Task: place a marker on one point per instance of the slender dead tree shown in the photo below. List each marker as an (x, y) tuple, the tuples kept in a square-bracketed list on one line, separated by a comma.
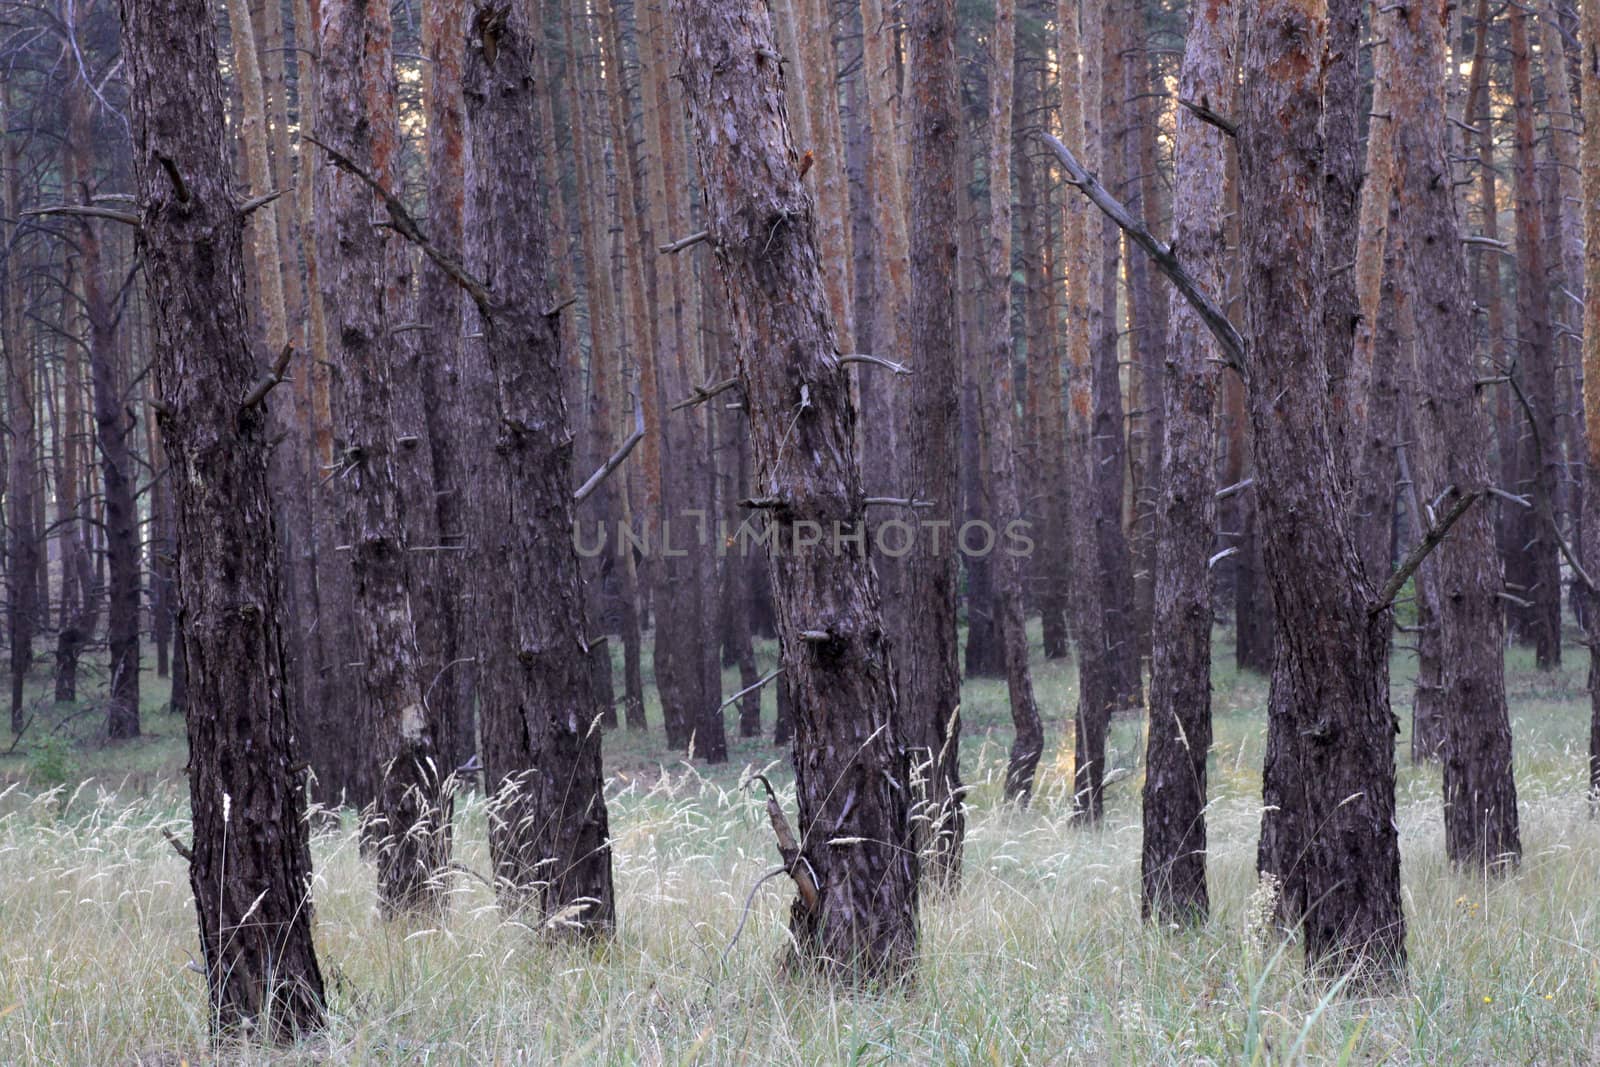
[(250, 866), (853, 863), (1174, 858)]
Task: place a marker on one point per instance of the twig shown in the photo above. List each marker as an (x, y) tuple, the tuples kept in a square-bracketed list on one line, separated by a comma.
[(876, 361), (750, 689), (705, 392), (616, 458), (1429, 542), (745, 914), (401, 221), (178, 846), (256, 203), (128, 218), (896, 502), (1232, 490), (1210, 313), (268, 381), (1210, 117), (684, 242)]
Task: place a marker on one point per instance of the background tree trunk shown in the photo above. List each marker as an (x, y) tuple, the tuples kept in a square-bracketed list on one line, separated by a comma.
[(1173, 878)]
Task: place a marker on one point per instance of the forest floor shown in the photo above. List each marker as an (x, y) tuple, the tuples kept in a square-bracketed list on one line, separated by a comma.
[(1039, 958)]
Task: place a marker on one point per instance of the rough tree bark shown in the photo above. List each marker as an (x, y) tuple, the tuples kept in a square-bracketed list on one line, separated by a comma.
[(440, 309), (250, 867), (355, 48), (548, 832), (856, 916), (1328, 836), (1480, 796), (1174, 860), (930, 666)]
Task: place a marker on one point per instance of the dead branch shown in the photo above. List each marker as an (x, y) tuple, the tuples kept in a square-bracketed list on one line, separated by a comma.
[(1210, 313), (876, 361), (896, 502), (178, 846), (747, 690), (1209, 117), (269, 380), (616, 459), (256, 203), (401, 222), (705, 392), (1237, 487), (1430, 541), (684, 242), (798, 866), (127, 218)]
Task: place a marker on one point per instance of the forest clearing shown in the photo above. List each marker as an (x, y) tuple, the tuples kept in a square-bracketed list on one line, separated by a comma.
[(1039, 959)]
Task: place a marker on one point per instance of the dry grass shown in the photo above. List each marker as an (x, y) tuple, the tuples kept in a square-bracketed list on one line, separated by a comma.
[(1039, 959)]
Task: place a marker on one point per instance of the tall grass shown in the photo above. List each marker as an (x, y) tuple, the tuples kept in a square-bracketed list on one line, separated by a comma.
[(1040, 958)]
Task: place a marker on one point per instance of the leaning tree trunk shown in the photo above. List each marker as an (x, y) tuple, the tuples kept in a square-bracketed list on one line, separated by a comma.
[(1174, 861), (1480, 796), (856, 915), (1328, 836), (548, 830), (930, 667), (250, 868)]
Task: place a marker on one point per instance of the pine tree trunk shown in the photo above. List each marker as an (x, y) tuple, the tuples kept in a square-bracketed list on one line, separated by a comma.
[(998, 383), (22, 471), (1538, 570), (930, 667), (548, 830), (1109, 439), (441, 312), (1480, 796), (861, 920), (1328, 835), (1174, 859), (635, 246), (1590, 83), (251, 866), (1096, 682), (366, 306)]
